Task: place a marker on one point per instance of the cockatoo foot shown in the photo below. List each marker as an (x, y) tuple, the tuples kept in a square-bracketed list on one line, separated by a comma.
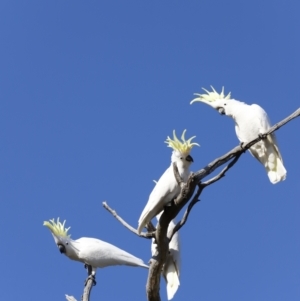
[(92, 277), (262, 136), (242, 146)]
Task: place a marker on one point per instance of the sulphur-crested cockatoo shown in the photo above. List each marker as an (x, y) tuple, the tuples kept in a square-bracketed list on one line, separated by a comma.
[(91, 251), (250, 122), (167, 187), (171, 269)]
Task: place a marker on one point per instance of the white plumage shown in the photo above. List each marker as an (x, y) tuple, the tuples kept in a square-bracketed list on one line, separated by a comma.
[(91, 251), (171, 269), (250, 122), (167, 187)]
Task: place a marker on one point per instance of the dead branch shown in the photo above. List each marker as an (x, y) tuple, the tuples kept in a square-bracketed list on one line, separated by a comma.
[(196, 199), (187, 191), (150, 227), (222, 173), (180, 224), (126, 225), (89, 283)]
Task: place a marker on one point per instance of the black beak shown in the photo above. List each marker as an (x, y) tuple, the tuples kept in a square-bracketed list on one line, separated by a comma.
[(61, 248), (221, 111), (189, 158)]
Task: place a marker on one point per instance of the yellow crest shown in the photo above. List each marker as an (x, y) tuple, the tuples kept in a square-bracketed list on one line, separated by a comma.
[(57, 228), (211, 96), (184, 147)]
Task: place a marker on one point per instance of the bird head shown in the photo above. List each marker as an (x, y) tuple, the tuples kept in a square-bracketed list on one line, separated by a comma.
[(60, 234), (215, 100), (181, 149)]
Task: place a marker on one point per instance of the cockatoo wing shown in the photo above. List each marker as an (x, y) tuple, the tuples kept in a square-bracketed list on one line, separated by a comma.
[(266, 151), (98, 253), (163, 192), (265, 126), (262, 116)]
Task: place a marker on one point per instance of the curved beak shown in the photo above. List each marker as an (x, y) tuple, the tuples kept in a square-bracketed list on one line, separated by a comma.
[(189, 158), (221, 111), (62, 248)]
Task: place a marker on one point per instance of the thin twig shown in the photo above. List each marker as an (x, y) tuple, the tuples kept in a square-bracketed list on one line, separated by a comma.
[(150, 227), (222, 173), (70, 298), (147, 235)]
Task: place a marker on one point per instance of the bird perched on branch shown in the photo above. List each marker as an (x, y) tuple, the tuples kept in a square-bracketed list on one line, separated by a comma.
[(167, 187), (171, 269), (91, 251), (251, 121)]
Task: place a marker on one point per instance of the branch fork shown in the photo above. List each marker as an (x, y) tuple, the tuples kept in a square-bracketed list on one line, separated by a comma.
[(187, 192)]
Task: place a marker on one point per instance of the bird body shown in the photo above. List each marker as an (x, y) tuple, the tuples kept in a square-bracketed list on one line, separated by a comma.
[(167, 187), (250, 122), (171, 269), (90, 251), (100, 254)]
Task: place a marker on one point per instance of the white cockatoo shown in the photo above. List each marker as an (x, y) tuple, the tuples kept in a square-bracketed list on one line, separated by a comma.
[(171, 269), (250, 122), (167, 187), (91, 251)]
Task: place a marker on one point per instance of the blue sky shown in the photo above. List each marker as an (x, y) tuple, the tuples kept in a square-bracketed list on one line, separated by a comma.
[(89, 93)]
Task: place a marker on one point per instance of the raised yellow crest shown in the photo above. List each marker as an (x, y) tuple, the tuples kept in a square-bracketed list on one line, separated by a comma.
[(57, 228), (211, 96), (185, 146)]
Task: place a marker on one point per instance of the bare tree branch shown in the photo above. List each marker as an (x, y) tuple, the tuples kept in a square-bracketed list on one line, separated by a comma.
[(150, 227), (89, 283), (160, 256), (222, 173), (195, 199), (187, 212), (126, 225), (187, 191)]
